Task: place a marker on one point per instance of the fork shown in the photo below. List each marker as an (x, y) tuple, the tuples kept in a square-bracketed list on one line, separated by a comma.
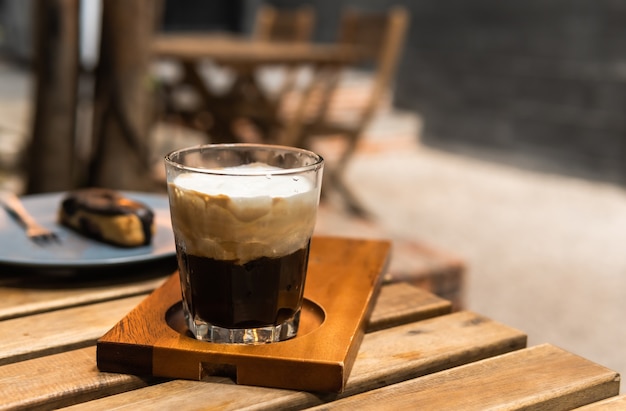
[(34, 231)]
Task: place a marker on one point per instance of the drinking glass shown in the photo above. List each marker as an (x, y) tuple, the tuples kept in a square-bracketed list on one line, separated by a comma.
[(243, 216)]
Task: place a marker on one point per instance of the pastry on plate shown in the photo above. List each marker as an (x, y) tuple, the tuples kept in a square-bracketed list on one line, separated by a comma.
[(107, 215)]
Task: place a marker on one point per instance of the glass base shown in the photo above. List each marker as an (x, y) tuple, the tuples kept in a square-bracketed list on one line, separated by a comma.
[(274, 333)]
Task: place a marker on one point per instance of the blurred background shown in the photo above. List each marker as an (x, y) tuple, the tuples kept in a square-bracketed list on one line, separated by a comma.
[(501, 141)]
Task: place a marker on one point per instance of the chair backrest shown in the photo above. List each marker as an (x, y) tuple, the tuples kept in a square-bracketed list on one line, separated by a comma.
[(379, 37), (291, 25)]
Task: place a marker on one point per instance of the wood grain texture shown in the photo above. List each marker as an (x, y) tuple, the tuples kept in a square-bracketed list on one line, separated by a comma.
[(538, 378), (61, 330), (38, 294), (424, 347), (414, 354), (385, 357), (617, 403), (343, 279), (52, 385), (397, 303), (59, 380)]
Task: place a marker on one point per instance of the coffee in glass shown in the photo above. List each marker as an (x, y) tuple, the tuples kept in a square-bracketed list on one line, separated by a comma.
[(243, 216)]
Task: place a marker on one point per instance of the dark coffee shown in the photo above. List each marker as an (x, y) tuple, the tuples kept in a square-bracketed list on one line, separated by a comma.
[(259, 293)]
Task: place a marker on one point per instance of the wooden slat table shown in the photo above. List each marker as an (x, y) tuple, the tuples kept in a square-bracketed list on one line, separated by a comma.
[(244, 57), (229, 49), (416, 353)]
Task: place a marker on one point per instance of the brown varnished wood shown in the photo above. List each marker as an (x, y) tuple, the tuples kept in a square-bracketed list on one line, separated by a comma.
[(389, 355), (88, 318), (385, 357), (461, 360), (54, 386), (343, 279), (539, 378)]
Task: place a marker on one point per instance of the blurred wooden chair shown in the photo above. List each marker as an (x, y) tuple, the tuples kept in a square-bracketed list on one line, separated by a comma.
[(285, 25), (229, 117), (294, 25), (291, 25), (379, 38)]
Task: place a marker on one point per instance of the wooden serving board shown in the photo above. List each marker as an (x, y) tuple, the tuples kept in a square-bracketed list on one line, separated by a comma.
[(343, 282)]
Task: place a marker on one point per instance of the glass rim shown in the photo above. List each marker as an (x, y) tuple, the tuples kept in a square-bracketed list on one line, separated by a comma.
[(318, 159)]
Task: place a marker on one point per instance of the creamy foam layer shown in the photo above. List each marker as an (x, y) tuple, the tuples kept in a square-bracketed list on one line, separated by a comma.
[(242, 217)]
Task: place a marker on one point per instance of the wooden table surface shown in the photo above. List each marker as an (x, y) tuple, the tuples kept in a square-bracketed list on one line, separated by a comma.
[(246, 98), (230, 49), (416, 353)]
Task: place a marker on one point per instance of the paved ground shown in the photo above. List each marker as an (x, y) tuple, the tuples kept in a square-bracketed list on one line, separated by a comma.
[(545, 252)]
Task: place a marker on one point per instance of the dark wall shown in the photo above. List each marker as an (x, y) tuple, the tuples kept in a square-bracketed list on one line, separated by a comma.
[(540, 79), (202, 15), (328, 12)]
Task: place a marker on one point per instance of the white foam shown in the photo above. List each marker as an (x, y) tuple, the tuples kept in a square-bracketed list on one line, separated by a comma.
[(242, 216), (245, 182)]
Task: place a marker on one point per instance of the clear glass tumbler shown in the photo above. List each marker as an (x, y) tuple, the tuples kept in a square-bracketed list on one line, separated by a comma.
[(243, 216)]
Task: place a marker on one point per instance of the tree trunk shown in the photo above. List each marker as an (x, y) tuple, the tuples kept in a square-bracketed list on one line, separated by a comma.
[(122, 115), (51, 163)]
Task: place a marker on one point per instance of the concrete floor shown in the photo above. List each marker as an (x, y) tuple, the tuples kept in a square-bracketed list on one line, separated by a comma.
[(545, 252)]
